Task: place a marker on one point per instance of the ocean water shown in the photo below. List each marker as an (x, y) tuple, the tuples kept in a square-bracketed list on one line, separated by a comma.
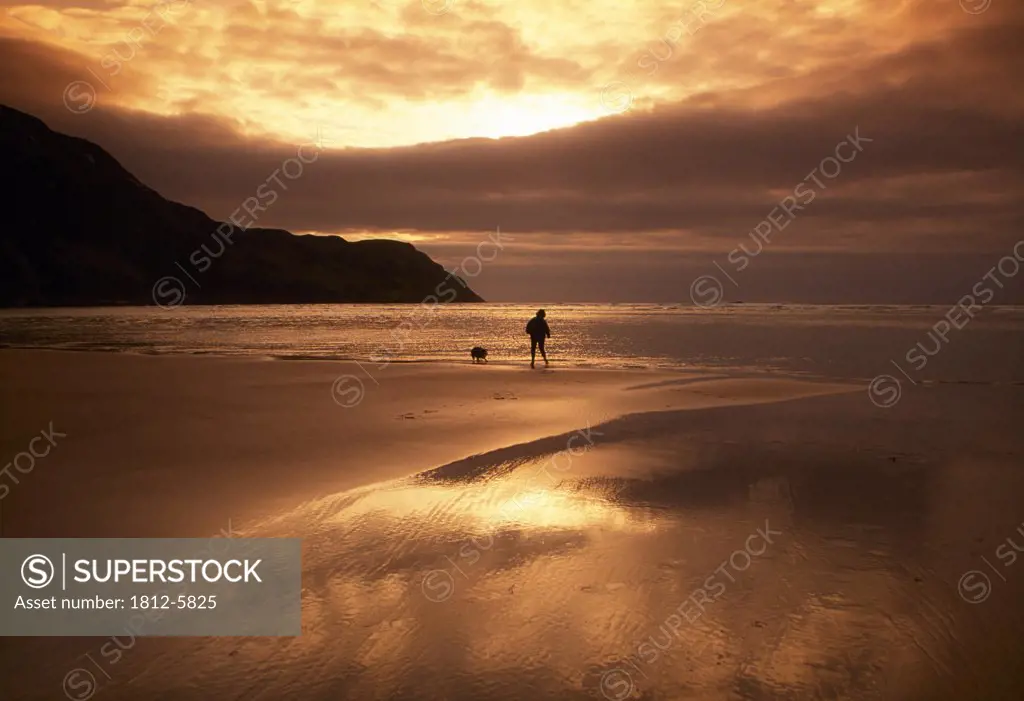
[(851, 342)]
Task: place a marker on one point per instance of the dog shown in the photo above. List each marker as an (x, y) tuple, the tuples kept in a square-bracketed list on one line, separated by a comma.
[(478, 354)]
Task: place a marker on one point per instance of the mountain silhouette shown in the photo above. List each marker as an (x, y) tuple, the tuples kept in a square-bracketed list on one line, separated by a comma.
[(79, 229)]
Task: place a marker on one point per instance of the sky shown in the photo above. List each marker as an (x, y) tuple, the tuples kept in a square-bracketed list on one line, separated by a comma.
[(860, 151)]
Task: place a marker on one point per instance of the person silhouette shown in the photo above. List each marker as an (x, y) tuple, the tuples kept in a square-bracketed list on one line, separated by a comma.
[(538, 330)]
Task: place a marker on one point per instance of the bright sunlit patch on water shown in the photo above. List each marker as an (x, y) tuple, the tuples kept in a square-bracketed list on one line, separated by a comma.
[(550, 509), (479, 507)]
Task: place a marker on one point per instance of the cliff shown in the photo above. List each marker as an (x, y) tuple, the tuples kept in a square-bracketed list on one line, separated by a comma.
[(79, 229)]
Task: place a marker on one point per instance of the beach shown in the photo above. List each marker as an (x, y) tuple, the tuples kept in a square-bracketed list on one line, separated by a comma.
[(491, 532), (176, 445)]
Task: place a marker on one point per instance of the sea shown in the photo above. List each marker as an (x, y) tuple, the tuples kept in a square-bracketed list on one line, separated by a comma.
[(831, 341)]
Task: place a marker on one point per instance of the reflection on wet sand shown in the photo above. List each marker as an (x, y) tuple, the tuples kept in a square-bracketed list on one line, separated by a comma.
[(758, 552)]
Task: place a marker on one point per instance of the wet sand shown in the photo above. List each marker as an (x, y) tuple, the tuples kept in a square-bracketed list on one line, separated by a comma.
[(496, 533)]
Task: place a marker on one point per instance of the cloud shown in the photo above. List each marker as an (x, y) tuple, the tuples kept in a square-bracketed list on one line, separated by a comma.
[(937, 91)]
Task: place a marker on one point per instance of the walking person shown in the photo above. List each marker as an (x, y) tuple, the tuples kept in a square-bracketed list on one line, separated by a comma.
[(538, 330)]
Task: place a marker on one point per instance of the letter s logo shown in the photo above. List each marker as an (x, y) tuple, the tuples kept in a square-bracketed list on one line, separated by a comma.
[(37, 571)]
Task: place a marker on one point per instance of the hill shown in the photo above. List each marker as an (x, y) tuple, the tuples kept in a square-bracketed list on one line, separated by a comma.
[(79, 229)]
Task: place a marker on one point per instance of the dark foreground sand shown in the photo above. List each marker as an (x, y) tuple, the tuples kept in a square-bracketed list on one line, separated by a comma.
[(496, 533)]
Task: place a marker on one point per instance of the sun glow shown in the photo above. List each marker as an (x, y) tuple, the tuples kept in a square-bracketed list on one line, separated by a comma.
[(496, 117), (484, 116)]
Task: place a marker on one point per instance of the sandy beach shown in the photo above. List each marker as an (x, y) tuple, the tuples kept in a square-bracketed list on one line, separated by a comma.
[(208, 432), (491, 532)]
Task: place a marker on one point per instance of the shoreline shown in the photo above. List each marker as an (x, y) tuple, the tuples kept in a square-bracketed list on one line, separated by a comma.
[(664, 367)]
